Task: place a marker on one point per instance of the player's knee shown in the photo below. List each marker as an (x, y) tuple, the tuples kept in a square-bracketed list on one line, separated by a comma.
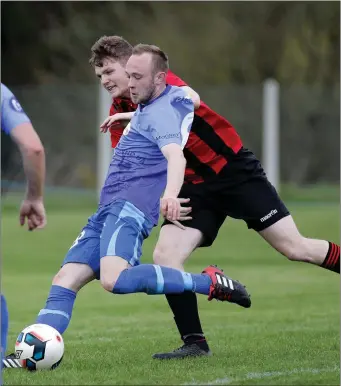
[(168, 257), (108, 283), (160, 255), (111, 269), (62, 279), (108, 280)]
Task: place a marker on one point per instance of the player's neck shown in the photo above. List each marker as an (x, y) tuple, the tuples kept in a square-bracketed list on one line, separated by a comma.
[(158, 91)]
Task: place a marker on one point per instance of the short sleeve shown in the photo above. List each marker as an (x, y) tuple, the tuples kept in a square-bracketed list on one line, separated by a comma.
[(12, 114), (173, 120)]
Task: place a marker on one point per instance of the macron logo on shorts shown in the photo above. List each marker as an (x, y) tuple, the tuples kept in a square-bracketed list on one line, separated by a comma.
[(273, 212)]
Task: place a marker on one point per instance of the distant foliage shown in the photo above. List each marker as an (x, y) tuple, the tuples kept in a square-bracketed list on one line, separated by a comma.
[(208, 42)]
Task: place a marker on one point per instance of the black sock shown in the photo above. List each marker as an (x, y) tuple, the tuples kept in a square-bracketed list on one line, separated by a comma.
[(332, 260), (186, 316)]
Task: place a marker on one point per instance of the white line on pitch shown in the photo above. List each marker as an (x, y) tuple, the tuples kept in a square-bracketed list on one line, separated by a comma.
[(266, 374)]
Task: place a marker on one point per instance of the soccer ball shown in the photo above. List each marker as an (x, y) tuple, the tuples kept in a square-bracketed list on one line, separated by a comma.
[(39, 347)]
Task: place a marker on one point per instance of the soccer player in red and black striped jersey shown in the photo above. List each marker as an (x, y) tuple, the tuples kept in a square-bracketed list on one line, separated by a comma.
[(222, 179)]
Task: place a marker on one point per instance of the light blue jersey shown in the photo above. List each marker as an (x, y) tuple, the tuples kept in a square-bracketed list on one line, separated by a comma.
[(12, 114), (138, 171), (130, 199)]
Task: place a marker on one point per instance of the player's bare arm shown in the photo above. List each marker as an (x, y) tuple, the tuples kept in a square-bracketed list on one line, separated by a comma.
[(123, 118), (33, 155), (170, 205)]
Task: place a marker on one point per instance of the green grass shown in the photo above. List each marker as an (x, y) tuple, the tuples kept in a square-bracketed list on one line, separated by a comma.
[(290, 335)]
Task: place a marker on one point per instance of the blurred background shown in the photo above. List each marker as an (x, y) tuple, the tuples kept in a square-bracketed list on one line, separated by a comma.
[(224, 50)]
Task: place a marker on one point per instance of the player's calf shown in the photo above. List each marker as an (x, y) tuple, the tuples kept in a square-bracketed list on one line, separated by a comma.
[(317, 252), (285, 238), (68, 281), (155, 279)]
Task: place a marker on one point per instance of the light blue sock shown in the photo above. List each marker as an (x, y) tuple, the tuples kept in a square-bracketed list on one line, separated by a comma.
[(58, 308), (155, 279)]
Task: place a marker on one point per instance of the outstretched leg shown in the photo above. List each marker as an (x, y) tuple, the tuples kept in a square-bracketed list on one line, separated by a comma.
[(286, 239)]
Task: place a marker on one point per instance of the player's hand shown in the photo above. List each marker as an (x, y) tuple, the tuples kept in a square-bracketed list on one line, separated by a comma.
[(171, 209), (33, 211), (109, 121), (184, 210)]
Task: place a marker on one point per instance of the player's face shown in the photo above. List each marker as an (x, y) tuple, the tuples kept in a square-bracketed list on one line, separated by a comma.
[(113, 78), (139, 69)]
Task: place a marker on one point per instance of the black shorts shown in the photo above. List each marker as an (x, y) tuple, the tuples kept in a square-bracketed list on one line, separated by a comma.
[(241, 191)]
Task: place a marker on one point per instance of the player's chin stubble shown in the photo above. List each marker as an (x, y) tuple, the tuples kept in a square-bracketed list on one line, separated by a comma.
[(148, 95), (134, 99)]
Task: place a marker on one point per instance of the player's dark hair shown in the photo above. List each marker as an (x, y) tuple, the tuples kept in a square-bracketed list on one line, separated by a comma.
[(113, 47), (160, 58)]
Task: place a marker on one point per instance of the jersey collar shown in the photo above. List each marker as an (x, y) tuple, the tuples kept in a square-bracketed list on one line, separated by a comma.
[(164, 92)]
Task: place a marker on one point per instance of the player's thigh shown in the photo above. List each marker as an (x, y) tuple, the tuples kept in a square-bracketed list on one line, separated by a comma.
[(284, 236), (175, 245), (82, 261), (256, 202), (206, 220), (122, 237)]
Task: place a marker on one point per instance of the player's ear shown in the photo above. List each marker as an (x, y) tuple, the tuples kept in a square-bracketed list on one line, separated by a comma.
[(160, 77)]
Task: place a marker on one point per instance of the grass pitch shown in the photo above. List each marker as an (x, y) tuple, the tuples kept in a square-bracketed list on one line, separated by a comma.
[(290, 335)]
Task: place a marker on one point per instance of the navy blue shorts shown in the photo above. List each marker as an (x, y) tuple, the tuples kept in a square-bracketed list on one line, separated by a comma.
[(117, 229)]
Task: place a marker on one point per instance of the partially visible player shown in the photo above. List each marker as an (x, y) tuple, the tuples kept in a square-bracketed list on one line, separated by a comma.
[(148, 160), (222, 179), (16, 123)]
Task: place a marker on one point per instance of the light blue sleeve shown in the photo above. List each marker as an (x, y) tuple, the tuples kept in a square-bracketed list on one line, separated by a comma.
[(172, 120), (12, 114)]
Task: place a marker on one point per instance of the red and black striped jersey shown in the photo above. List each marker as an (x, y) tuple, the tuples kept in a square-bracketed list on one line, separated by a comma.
[(211, 141), (119, 105)]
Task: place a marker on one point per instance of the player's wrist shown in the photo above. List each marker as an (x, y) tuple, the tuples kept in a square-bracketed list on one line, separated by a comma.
[(126, 116), (33, 197), (170, 194)]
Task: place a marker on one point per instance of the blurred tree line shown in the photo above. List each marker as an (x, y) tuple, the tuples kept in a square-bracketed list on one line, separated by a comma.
[(223, 49), (211, 42)]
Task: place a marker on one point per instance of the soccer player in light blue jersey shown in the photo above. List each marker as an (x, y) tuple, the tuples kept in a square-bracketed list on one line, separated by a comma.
[(16, 123), (148, 161)]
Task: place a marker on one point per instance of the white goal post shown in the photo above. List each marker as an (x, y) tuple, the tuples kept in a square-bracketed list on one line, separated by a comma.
[(270, 146), (104, 150)]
